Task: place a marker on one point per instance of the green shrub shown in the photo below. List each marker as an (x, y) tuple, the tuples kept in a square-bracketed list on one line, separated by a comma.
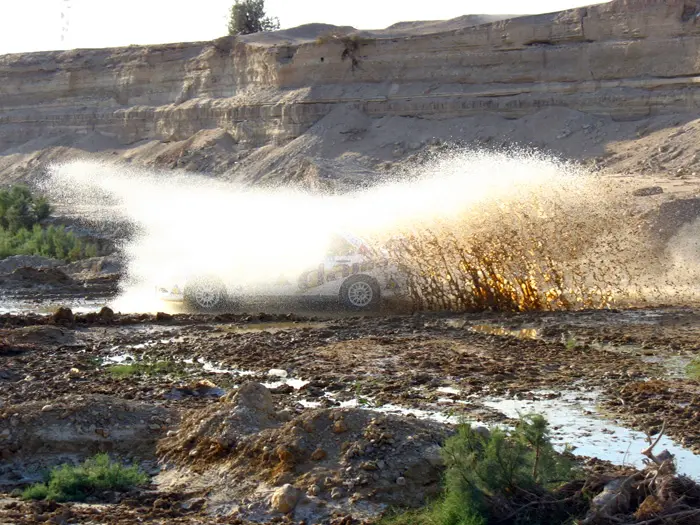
[(19, 209), (22, 234), (53, 242), (497, 476), (693, 368), (95, 475)]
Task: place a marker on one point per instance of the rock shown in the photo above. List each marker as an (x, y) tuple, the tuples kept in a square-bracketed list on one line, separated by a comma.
[(161, 503), (401, 481), (63, 316), (106, 314), (163, 317), (642, 48), (42, 335), (340, 426), (319, 454), (194, 504), (74, 372), (254, 396), (484, 432), (94, 267), (314, 490), (284, 454), (285, 499), (9, 264), (648, 191), (368, 465), (336, 493), (283, 389), (283, 478), (613, 500), (47, 408), (52, 276)]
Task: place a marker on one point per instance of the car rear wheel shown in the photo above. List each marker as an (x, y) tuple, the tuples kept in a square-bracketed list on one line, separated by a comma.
[(360, 293), (206, 294)]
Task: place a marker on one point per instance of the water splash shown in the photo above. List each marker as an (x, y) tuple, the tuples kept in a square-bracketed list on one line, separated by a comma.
[(528, 222)]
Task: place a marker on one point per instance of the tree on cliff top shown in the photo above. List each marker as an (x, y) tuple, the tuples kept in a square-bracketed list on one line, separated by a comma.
[(248, 16)]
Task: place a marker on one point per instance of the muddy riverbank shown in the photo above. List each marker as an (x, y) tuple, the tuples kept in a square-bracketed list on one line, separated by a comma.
[(73, 385)]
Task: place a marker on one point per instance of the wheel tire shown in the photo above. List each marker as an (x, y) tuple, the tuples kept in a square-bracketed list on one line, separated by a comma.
[(206, 294), (360, 292)]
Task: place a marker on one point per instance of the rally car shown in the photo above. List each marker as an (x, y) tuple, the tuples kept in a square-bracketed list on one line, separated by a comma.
[(353, 272)]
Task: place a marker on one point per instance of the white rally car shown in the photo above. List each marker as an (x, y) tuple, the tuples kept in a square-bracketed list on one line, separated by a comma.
[(354, 273)]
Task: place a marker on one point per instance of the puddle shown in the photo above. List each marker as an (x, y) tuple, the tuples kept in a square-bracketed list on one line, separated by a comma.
[(418, 413), (675, 365), (296, 384), (574, 420), (523, 333), (118, 358), (368, 403), (490, 329), (215, 368), (268, 327), (449, 390), (42, 306)]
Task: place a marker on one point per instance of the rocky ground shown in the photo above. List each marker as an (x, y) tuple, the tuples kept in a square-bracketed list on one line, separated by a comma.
[(351, 414)]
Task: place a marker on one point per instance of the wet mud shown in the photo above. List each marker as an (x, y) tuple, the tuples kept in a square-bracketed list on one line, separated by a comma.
[(76, 384)]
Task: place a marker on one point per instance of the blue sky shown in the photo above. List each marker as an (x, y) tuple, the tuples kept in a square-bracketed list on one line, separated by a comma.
[(33, 25)]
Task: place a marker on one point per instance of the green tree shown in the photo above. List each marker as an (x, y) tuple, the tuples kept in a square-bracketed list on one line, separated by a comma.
[(248, 16), (20, 209)]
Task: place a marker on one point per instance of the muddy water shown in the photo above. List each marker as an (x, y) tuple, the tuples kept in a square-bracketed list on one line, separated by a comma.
[(575, 421), (42, 306)]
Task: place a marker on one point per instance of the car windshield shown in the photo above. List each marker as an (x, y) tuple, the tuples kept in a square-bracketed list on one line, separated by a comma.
[(339, 246)]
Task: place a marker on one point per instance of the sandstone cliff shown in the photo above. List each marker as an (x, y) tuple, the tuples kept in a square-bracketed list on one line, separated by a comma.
[(319, 101)]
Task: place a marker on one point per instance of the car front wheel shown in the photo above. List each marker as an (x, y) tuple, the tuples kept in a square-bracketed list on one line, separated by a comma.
[(360, 293), (206, 294)]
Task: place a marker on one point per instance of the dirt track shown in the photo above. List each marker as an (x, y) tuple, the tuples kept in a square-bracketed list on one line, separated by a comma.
[(437, 366)]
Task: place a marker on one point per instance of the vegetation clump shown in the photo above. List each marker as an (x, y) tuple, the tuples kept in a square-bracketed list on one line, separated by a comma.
[(248, 16), (76, 483), (144, 368), (499, 476), (21, 232), (693, 368)]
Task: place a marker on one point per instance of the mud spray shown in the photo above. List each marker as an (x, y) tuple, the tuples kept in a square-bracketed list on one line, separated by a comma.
[(470, 230)]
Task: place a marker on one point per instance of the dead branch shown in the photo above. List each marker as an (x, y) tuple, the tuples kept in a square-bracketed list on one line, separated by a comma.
[(649, 452), (672, 518)]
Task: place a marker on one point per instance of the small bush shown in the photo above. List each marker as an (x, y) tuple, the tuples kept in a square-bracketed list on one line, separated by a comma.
[(95, 475), (22, 234), (19, 209), (53, 242), (494, 477), (693, 369)]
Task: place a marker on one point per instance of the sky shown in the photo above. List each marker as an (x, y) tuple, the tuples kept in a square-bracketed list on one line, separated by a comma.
[(36, 25)]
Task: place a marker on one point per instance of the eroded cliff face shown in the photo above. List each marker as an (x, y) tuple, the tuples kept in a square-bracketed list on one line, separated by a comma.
[(624, 60)]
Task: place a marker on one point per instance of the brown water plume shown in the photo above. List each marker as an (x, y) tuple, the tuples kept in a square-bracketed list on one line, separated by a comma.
[(566, 243)]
